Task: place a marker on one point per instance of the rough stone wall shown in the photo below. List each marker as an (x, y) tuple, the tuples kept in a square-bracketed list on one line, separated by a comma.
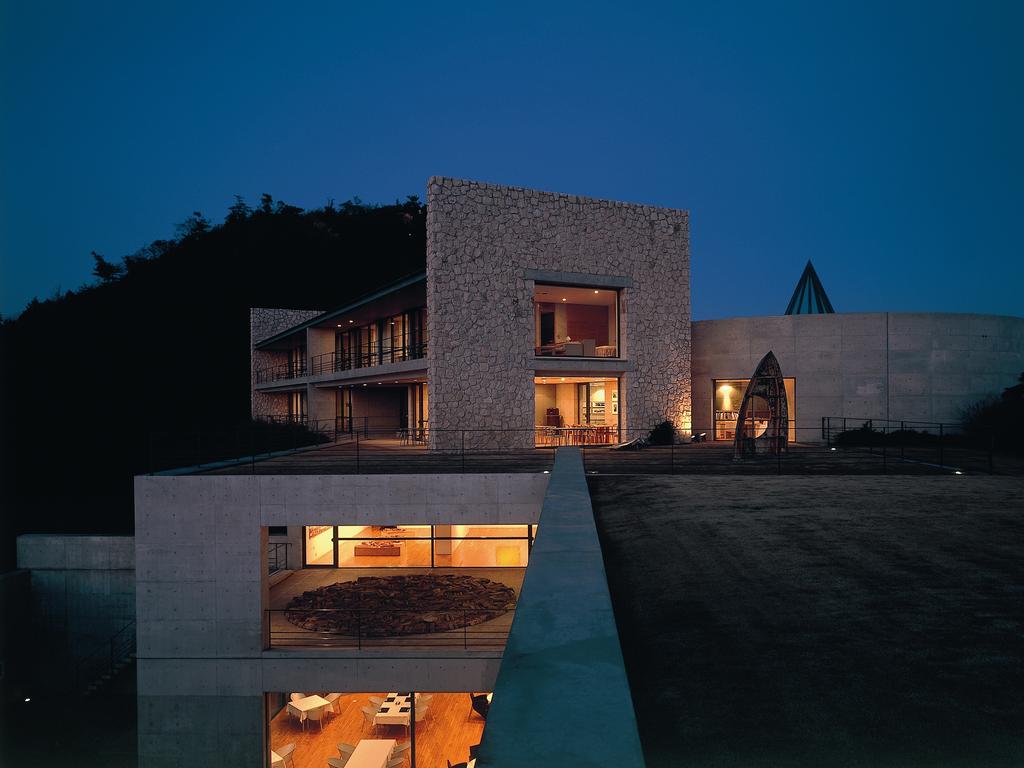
[(481, 240), (264, 323)]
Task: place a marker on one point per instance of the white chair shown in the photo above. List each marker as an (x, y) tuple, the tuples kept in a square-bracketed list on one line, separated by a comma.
[(297, 696), (345, 750), (396, 763), (297, 714), (335, 701), (336, 762), (317, 715), (368, 715), (405, 746), (424, 698), (421, 713), (377, 701), (286, 755)]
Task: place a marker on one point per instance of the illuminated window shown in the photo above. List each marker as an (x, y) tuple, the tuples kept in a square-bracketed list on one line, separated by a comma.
[(728, 395), (575, 321)]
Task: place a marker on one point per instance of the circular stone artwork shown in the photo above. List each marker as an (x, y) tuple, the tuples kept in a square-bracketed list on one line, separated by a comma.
[(386, 606)]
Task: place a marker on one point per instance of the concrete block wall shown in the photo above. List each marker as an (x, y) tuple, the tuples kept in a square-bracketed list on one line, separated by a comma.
[(900, 366), (483, 242), (82, 591), (202, 587)]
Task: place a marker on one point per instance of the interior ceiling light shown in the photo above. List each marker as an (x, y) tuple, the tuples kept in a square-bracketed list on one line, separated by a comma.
[(563, 298), (596, 291), (351, 321)]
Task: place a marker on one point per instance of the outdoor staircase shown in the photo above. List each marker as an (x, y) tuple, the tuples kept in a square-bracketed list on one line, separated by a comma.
[(100, 667)]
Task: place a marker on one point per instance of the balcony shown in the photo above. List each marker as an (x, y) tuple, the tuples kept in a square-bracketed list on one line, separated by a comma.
[(282, 372), (367, 357)]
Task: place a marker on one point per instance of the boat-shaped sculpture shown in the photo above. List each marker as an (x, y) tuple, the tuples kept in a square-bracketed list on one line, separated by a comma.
[(762, 425)]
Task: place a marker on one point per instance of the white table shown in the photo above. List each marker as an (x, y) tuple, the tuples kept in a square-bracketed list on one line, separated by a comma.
[(371, 753), (302, 706), (390, 712)]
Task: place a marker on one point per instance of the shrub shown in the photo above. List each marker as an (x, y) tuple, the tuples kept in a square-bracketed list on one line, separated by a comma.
[(663, 434)]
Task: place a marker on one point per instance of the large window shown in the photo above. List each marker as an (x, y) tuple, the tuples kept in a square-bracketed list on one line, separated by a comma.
[(387, 340), (576, 321), (297, 407), (576, 410), (419, 546), (374, 727), (728, 396)]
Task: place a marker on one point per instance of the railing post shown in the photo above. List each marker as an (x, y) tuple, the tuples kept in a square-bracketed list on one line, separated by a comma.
[(941, 451)]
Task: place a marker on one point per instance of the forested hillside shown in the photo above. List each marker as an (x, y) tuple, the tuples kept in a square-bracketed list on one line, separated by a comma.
[(160, 342)]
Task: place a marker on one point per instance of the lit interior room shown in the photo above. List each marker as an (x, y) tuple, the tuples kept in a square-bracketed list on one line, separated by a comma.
[(575, 322), (576, 410), (418, 546), (375, 730), (728, 398)]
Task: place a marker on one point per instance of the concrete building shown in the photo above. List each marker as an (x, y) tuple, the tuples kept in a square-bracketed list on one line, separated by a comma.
[(541, 320)]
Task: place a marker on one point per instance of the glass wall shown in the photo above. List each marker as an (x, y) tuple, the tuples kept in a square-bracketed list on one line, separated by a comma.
[(387, 340), (575, 321), (576, 410), (310, 728), (728, 396), (297, 407), (418, 546)]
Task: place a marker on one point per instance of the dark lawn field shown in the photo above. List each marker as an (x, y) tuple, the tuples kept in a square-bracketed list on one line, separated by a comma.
[(820, 621)]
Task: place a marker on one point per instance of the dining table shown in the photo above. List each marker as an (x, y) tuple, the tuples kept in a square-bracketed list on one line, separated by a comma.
[(371, 753), (300, 707), (396, 710)]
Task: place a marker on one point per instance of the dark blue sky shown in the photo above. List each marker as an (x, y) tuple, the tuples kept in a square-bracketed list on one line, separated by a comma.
[(882, 142)]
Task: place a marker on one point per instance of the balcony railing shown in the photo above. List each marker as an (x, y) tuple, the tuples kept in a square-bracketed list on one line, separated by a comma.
[(334, 362), (362, 628), (584, 348), (281, 372), (277, 556), (282, 418)]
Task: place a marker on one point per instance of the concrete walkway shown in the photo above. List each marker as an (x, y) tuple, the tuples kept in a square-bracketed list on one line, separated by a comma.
[(562, 697)]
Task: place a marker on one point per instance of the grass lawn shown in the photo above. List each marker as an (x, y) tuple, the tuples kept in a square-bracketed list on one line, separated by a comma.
[(820, 621)]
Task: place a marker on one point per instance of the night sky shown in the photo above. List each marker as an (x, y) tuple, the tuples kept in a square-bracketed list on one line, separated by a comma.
[(883, 143)]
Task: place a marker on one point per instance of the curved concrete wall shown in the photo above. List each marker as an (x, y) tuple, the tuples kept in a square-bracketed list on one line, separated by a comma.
[(901, 366)]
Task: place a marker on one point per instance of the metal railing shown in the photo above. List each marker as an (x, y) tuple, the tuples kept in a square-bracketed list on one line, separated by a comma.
[(283, 418), (837, 447), (358, 446), (379, 446), (105, 660), (359, 628), (370, 357), (577, 349), (277, 556), (281, 372)]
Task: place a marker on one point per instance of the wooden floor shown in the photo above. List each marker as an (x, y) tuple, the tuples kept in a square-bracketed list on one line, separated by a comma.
[(449, 729)]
